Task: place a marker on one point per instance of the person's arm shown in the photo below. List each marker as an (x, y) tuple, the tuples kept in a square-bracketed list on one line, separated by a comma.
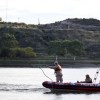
[(51, 67)]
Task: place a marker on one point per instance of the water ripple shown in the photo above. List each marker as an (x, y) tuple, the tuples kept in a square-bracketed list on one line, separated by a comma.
[(21, 88)]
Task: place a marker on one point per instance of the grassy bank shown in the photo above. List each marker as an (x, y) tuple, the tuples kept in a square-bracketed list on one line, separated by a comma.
[(49, 61)]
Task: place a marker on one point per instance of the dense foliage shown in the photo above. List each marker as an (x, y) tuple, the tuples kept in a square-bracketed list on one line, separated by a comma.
[(9, 47), (22, 52), (66, 47), (75, 37)]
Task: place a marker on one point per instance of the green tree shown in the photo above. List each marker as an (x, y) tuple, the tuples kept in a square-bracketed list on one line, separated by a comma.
[(28, 52), (8, 41), (62, 48), (56, 48), (66, 46), (76, 48), (22, 52)]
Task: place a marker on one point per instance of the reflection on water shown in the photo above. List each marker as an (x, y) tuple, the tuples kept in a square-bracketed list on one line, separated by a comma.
[(71, 92), (26, 84)]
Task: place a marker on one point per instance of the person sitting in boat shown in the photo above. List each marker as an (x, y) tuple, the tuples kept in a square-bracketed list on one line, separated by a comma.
[(58, 72), (87, 79)]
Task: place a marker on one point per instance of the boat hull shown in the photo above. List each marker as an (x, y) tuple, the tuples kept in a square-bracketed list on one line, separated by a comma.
[(71, 87)]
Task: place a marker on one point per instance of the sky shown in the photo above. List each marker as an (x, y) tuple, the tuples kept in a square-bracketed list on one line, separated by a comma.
[(47, 11)]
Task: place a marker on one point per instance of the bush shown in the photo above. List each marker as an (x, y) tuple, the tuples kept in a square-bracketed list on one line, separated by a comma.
[(22, 52)]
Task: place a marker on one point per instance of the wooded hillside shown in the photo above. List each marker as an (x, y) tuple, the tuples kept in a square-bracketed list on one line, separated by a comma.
[(37, 38)]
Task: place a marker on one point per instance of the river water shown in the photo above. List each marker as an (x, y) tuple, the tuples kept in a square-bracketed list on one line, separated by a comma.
[(26, 84)]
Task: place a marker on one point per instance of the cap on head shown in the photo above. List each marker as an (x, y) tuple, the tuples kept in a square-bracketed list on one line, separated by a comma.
[(56, 62), (87, 75)]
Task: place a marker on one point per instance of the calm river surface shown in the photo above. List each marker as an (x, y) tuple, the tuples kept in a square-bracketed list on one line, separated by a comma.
[(26, 84)]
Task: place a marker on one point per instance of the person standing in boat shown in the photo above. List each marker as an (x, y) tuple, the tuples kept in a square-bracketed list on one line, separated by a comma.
[(58, 72), (87, 79)]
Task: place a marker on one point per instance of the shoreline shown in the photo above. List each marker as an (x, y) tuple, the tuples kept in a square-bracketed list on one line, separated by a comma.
[(45, 62), (44, 66)]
